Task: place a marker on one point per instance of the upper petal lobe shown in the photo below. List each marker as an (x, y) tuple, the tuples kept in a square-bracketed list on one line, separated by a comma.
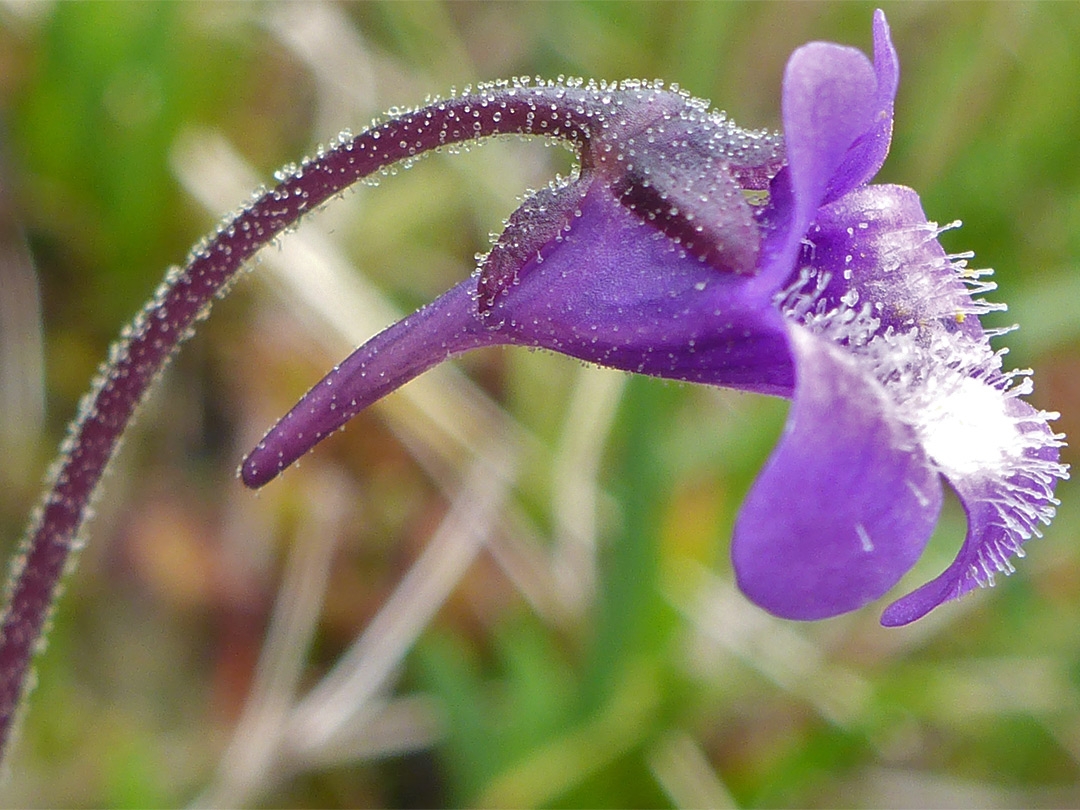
[(830, 99)]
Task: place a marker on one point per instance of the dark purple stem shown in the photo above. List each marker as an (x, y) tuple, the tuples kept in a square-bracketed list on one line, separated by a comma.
[(186, 297)]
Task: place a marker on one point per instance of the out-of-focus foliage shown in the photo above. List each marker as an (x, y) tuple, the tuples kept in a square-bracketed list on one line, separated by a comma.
[(556, 673)]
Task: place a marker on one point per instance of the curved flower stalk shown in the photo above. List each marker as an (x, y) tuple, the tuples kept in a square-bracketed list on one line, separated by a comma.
[(686, 248)]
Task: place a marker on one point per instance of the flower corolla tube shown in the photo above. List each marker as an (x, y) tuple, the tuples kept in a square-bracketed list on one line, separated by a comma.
[(687, 248)]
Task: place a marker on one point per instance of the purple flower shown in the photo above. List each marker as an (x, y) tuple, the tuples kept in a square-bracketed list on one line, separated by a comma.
[(690, 249)]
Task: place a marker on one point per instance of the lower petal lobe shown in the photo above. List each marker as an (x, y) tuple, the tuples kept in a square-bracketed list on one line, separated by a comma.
[(846, 503)]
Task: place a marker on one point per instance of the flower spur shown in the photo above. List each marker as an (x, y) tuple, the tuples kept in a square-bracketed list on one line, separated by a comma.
[(654, 259)]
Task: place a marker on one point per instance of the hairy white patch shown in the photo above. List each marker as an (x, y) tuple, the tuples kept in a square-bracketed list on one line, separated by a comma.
[(966, 430)]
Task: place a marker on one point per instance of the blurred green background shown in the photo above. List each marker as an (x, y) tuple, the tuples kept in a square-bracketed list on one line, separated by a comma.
[(571, 636)]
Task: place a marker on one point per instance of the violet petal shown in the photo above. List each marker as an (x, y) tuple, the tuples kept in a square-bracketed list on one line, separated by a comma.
[(829, 100), (846, 502), (868, 152)]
